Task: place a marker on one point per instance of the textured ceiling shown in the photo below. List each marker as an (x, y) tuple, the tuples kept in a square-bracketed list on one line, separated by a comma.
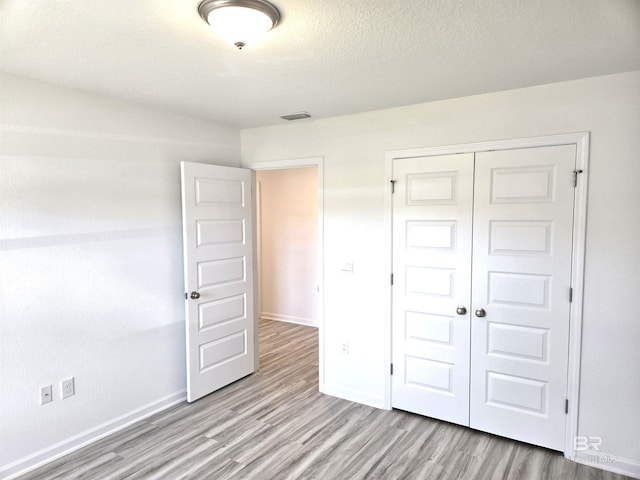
[(328, 57)]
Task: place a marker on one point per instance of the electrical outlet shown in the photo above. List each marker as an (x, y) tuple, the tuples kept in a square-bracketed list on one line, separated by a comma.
[(67, 388), (344, 347), (46, 394)]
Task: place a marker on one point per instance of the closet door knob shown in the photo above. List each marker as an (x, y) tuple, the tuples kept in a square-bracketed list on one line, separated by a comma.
[(461, 310), (195, 295), (481, 313)]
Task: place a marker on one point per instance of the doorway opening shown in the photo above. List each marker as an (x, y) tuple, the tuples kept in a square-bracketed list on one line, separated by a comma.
[(289, 254)]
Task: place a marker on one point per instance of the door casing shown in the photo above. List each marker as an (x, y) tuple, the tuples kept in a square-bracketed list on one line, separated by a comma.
[(581, 141)]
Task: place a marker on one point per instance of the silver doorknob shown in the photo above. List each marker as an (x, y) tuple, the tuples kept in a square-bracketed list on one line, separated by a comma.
[(195, 295), (461, 310), (481, 313)]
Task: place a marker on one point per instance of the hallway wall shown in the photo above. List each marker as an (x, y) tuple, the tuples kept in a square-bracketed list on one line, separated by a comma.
[(287, 251)]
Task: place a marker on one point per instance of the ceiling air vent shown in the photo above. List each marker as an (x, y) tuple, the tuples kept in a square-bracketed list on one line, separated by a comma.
[(296, 116)]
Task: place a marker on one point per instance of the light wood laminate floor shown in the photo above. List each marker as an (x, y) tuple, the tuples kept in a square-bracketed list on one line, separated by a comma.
[(276, 425)]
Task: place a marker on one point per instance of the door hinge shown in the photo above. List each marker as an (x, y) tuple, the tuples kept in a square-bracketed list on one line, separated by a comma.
[(392, 279), (575, 177), (566, 405), (186, 296), (393, 186), (570, 294), (392, 369)]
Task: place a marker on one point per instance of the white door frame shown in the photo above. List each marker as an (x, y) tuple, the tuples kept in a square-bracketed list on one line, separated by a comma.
[(581, 141), (301, 163)]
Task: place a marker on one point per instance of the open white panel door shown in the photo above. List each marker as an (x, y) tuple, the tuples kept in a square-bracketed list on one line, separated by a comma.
[(218, 276)]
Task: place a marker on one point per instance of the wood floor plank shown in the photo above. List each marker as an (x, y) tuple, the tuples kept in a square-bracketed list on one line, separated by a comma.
[(275, 425)]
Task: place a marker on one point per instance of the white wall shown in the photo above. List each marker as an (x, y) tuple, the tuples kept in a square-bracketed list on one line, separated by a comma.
[(91, 279), (354, 149), (288, 219)]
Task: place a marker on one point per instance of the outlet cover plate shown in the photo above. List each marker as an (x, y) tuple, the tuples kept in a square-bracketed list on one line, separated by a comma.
[(46, 394), (67, 387)]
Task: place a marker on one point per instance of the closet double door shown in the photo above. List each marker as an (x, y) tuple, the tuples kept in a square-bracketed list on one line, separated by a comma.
[(482, 246)]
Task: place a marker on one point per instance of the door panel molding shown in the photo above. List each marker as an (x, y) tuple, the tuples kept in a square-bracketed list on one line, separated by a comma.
[(581, 142)]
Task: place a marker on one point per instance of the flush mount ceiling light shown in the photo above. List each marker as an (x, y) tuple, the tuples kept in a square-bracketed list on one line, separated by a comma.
[(239, 21)]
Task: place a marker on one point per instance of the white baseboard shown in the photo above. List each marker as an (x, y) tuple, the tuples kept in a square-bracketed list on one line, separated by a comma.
[(353, 395), (289, 319), (87, 437), (611, 463)]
